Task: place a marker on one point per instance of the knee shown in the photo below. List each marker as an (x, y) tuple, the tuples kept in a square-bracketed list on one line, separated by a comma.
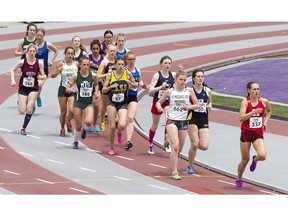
[(130, 120), (261, 157)]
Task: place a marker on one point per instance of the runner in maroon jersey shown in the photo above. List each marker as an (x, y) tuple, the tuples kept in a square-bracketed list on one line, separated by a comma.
[(32, 70)]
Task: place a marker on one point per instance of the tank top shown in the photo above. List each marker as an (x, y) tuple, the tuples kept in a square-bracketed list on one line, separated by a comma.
[(79, 56), (29, 75), (170, 82), (25, 45), (85, 88), (255, 123), (121, 54), (177, 100), (119, 95), (94, 65), (136, 75), (67, 72), (43, 54)]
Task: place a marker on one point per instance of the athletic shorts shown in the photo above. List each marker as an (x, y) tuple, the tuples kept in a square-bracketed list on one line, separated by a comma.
[(118, 107), (181, 125), (26, 91), (154, 109), (132, 98), (200, 122), (250, 136), (81, 105), (62, 92)]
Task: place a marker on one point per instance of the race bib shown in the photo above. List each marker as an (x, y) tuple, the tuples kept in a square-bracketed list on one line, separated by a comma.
[(86, 92), (118, 97), (255, 122), (202, 108), (28, 81)]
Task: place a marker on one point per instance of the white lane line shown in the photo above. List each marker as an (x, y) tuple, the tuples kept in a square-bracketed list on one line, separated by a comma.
[(90, 170), (14, 173), (121, 178), (126, 158), (66, 144), (22, 153), (41, 180), (75, 189), (1, 147), (54, 161), (268, 192), (3, 129), (154, 186), (156, 165), (35, 137), (91, 150), (225, 182)]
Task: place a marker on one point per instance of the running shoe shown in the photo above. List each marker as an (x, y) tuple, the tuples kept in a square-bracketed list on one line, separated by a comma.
[(39, 102), (102, 126), (128, 145), (62, 132), (83, 135), (253, 164), (150, 149), (23, 132), (239, 185), (69, 126), (111, 151), (89, 129), (175, 176), (190, 169), (75, 145), (166, 144), (120, 137), (96, 128), (34, 110)]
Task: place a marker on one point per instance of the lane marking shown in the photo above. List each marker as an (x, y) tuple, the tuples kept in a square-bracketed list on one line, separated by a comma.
[(268, 192), (126, 158), (154, 186), (54, 161), (41, 180), (90, 170), (225, 182), (75, 189), (2, 147), (66, 144), (22, 153), (156, 165), (121, 178), (3, 129), (91, 150), (35, 137), (11, 172)]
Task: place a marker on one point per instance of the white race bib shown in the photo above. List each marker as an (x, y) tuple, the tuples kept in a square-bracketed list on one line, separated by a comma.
[(85, 92), (255, 122), (118, 97), (28, 81)]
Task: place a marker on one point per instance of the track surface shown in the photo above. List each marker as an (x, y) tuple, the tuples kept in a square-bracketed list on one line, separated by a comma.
[(44, 163)]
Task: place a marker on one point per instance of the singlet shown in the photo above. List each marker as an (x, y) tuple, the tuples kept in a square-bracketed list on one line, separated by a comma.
[(29, 75), (121, 54), (136, 75), (43, 54), (94, 65), (255, 123), (85, 88), (79, 56), (25, 45), (170, 82), (119, 95), (203, 98), (67, 72), (177, 100), (104, 47)]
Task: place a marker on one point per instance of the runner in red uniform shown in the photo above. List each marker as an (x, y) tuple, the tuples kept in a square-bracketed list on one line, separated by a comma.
[(254, 115)]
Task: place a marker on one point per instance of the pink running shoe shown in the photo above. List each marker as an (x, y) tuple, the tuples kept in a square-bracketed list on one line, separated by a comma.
[(120, 137), (111, 151), (253, 164), (239, 184)]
